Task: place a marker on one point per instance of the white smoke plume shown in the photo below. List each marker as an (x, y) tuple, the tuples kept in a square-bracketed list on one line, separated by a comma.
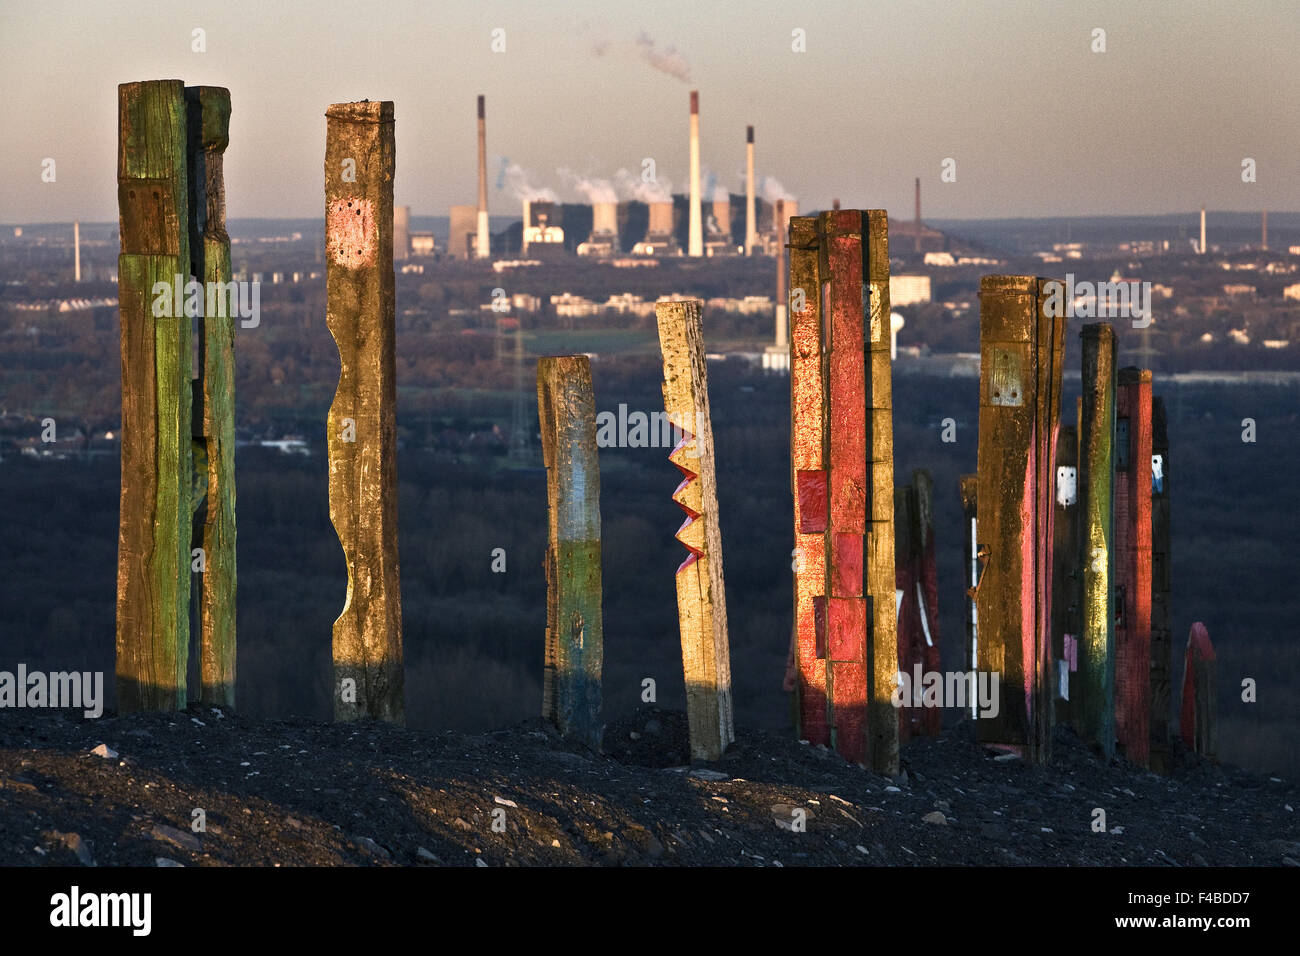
[(591, 189), (520, 183), (770, 188), (633, 186), (666, 60)]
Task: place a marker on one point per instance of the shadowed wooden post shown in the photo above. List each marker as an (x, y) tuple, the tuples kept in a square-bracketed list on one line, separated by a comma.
[(968, 487), (209, 135), (1095, 709), (359, 163), (571, 692), (1022, 346), (1065, 567), (701, 595), (1133, 563), (153, 558), (808, 480), (918, 596), (1161, 624), (1200, 706)]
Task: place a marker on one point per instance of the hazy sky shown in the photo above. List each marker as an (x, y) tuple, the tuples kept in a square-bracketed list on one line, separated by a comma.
[(1038, 124)]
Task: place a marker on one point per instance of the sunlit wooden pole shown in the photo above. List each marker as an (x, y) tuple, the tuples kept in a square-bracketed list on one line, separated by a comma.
[(1022, 346), (359, 165), (571, 689), (701, 594)]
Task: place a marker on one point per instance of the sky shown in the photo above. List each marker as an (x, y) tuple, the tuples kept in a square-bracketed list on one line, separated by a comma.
[(1038, 124)]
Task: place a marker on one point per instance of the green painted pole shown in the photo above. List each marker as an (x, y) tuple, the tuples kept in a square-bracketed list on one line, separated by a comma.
[(153, 570), (571, 676)]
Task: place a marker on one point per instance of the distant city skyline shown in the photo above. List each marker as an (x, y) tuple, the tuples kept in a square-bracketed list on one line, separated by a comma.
[(1038, 124)]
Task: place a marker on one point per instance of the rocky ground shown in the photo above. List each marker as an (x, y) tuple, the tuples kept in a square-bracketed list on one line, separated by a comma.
[(125, 790)]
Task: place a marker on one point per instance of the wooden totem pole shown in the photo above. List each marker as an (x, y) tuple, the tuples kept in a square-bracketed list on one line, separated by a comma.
[(701, 595), (1133, 564), (1022, 347), (362, 433), (1095, 708), (1162, 638), (841, 459), (571, 692), (174, 267)]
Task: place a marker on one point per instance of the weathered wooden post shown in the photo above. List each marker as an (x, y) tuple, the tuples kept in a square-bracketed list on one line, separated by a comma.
[(701, 594), (841, 429), (917, 595), (153, 560), (968, 487), (209, 135), (1022, 347), (1095, 709), (571, 691), (1065, 568), (1200, 706), (359, 163), (1162, 638), (1133, 563)]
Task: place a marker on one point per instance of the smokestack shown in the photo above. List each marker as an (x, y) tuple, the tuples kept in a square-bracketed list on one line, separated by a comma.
[(835, 204), (695, 241), (782, 296), (482, 241), (76, 247), (918, 215), (751, 222), (1263, 230), (1202, 230), (523, 237)]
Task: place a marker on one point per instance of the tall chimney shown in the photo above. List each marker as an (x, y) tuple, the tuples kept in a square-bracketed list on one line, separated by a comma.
[(835, 205), (1202, 250), (918, 215), (695, 241), (782, 223), (76, 247), (751, 222), (1263, 229), (483, 242)]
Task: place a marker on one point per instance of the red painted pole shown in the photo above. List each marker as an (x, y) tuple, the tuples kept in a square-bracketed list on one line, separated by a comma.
[(1133, 564)]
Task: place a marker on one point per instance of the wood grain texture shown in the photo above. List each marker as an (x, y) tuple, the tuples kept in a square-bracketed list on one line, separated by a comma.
[(367, 645), (701, 594), (808, 476), (209, 134), (571, 676), (153, 571), (1095, 711), (1022, 350), (1133, 568), (1161, 591)]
